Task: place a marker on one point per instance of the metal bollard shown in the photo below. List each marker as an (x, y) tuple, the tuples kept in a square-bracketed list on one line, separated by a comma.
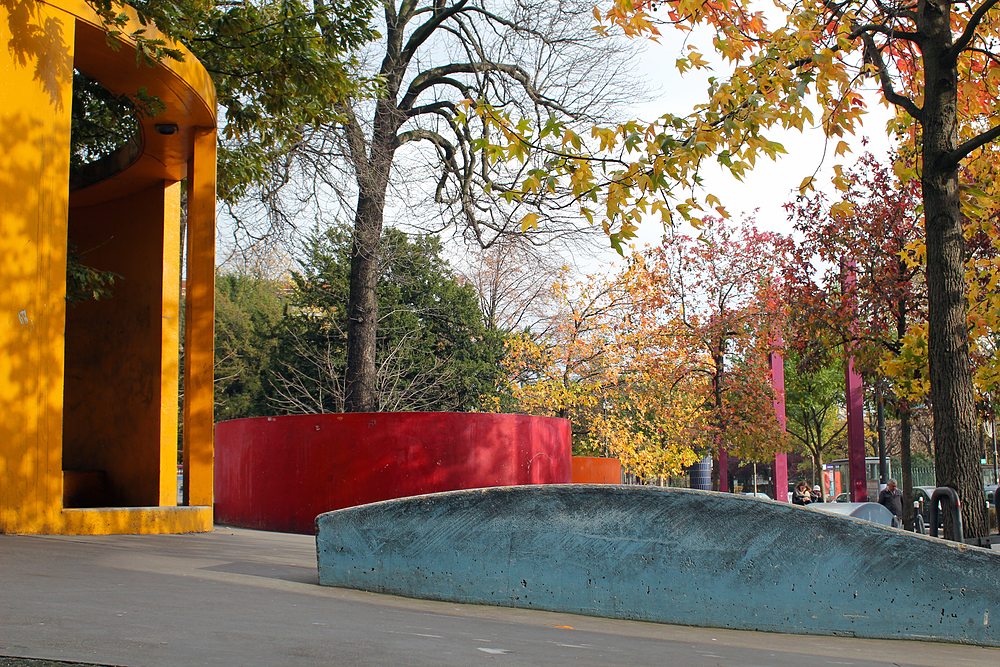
[(946, 492)]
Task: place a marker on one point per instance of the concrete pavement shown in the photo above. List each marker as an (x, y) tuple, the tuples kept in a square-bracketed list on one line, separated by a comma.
[(238, 597)]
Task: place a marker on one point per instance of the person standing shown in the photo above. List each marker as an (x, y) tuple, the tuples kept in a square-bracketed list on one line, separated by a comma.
[(892, 499)]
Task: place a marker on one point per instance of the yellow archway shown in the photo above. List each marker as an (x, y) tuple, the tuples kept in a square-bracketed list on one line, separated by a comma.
[(89, 395)]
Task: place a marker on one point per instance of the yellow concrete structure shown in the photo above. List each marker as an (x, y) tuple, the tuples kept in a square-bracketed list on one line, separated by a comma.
[(89, 395)]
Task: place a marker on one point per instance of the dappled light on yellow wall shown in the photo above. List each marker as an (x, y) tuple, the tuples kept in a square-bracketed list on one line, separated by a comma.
[(89, 394)]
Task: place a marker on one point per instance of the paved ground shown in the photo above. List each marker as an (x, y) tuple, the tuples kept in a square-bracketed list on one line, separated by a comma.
[(236, 597)]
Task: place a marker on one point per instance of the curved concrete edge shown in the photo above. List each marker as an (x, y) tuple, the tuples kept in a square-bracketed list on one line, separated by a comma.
[(187, 73), (667, 555)]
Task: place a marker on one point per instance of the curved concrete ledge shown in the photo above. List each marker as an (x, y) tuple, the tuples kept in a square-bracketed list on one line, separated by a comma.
[(667, 555)]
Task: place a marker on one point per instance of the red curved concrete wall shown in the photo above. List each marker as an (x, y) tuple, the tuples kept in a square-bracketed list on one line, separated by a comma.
[(596, 470), (280, 473)]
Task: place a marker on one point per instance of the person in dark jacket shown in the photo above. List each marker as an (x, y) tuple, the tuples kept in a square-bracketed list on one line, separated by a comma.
[(892, 499), (817, 495), (801, 494)]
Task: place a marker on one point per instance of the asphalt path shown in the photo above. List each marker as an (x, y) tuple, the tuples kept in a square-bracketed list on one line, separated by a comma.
[(238, 597)]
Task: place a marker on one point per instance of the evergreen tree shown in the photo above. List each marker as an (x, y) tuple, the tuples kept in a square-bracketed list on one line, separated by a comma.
[(814, 405), (247, 312), (433, 350)]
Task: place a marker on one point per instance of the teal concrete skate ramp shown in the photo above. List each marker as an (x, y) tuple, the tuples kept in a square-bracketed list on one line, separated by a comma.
[(667, 555)]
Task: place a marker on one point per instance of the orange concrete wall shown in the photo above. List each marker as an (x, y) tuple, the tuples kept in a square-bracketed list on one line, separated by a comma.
[(120, 419), (596, 470), (121, 353), (34, 176)]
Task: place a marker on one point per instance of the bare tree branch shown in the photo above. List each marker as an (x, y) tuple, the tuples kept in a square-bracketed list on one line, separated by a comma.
[(970, 29)]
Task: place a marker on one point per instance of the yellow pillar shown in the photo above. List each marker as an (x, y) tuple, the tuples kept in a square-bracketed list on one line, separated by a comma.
[(170, 282), (93, 395), (199, 330), (35, 100)]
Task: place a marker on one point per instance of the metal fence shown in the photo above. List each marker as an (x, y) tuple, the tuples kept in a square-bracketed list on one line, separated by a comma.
[(923, 476)]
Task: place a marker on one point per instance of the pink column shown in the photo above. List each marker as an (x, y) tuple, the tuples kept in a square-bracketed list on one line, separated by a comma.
[(780, 472), (855, 403), (856, 434)]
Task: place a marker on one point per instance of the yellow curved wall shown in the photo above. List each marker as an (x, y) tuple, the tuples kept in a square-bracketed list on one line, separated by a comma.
[(88, 399)]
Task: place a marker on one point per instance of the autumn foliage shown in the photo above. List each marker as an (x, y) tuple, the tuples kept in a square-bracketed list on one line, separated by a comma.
[(856, 276), (808, 64), (665, 361)]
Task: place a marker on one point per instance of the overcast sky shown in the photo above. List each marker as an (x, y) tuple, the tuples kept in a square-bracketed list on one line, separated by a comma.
[(771, 184)]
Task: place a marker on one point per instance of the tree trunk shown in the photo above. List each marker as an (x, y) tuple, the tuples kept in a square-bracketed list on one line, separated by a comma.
[(362, 304), (883, 466), (816, 435), (362, 324), (906, 474), (952, 396), (817, 461), (902, 410)]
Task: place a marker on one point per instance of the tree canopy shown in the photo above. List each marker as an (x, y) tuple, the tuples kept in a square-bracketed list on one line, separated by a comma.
[(535, 56), (807, 63), (248, 312), (433, 351), (414, 144), (279, 67), (665, 361), (814, 402)]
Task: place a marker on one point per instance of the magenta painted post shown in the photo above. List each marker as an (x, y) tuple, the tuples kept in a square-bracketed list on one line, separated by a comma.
[(856, 434), (780, 474), (854, 394)]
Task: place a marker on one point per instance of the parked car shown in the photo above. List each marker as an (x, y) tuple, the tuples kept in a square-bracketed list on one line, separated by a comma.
[(872, 512), (991, 508), (757, 494), (922, 499), (922, 496), (922, 502)]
